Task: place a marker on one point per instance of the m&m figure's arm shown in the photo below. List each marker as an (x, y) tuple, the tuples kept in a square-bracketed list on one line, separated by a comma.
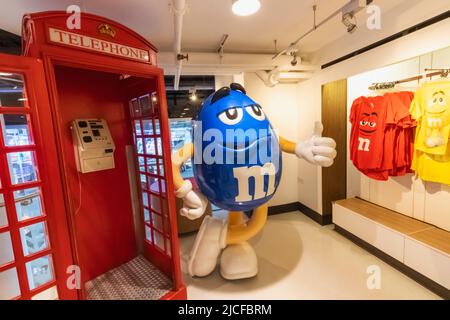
[(194, 203)]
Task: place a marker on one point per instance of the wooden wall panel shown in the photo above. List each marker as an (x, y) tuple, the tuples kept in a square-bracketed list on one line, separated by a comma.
[(334, 119)]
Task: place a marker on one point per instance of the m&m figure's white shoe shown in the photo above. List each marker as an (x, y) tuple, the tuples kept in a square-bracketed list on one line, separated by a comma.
[(238, 261), (210, 240)]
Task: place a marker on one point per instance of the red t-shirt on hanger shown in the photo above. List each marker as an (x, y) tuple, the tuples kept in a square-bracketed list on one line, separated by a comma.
[(367, 117), (385, 148)]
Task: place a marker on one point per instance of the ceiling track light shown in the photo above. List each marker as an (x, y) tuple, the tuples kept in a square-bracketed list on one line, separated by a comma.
[(245, 7), (349, 21)]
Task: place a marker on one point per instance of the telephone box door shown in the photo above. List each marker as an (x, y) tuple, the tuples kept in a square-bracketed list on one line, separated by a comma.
[(35, 250), (148, 114)]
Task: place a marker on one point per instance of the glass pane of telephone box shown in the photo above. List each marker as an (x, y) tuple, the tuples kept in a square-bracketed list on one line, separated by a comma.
[(155, 203), (6, 249), (148, 234), (28, 203), (144, 103), (9, 284), (16, 131), (146, 215), (3, 216), (148, 126), (157, 127), (150, 146), (145, 199), (22, 167), (137, 127), (157, 222), (164, 208), (153, 184), (143, 178), (49, 294), (34, 238), (159, 146), (140, 146), (134, 108), (159, 240), (163, 187), (39, 271), (13, 90), (151, 166), (141, 161), (161, 168)]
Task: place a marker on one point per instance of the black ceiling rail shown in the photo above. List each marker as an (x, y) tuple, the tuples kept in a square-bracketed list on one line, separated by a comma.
[(393, 37)]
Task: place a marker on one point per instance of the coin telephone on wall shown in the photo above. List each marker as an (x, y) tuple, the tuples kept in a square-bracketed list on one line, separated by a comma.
[(93, 144)]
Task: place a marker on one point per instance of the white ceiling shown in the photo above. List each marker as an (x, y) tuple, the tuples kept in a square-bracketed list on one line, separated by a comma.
[(207, 20)]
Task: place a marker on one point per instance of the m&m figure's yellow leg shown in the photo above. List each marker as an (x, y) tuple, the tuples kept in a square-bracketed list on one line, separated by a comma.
[(241, 231), (238, 260)]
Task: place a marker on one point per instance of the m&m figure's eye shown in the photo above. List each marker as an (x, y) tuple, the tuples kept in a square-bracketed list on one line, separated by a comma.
[(372, 124), (256, 112), (231, 116), (363, 123)]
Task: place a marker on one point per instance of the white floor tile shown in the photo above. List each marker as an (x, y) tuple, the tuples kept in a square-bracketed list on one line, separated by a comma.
[(299, 259)]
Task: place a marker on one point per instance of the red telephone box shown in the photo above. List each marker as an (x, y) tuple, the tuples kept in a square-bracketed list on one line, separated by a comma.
[(106, 228)]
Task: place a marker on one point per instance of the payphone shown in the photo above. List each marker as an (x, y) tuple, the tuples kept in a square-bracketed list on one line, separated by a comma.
[(93, 145)]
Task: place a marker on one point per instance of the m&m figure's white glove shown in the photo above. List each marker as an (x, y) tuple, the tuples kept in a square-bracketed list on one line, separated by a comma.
[(317, 149), (194, 203)]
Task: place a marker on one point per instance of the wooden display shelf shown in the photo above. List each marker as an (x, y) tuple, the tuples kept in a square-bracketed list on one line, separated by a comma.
[(434, 237), (386, 217), (418, 249)]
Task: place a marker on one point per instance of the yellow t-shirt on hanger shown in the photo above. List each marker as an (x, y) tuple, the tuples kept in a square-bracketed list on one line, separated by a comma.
[(432, 168), (431, 108)]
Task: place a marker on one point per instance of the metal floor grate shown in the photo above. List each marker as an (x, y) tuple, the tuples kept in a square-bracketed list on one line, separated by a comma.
[(137, 279)]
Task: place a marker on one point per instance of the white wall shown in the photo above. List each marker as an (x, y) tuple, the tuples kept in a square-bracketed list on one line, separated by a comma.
[(280, 104), (408, 195), (421, 42)]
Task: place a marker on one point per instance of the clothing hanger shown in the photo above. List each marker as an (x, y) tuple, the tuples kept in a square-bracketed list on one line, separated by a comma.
[(380, 86), (442, 73)]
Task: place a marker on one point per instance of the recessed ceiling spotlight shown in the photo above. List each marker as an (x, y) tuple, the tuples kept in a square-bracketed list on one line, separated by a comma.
[(245, 7), (193, 96), (186, 109)]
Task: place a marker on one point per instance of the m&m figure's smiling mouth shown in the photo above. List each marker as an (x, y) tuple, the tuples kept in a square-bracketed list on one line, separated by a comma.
[(239, 147)]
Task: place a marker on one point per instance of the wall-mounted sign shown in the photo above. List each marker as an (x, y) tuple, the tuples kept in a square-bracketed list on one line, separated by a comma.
[(98, 45)]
